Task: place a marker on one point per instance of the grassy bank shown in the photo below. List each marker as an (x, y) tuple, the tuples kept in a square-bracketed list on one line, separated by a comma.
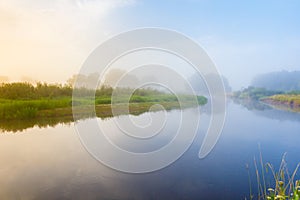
[(27, 109), (23, 109), (25, 101), (289, 101), (284, 101), (253, 93)]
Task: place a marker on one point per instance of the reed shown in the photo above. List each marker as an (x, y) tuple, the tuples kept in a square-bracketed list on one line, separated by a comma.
[(284, 186)]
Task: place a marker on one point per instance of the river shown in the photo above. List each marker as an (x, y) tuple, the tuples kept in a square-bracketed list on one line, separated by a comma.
[(49, 162)]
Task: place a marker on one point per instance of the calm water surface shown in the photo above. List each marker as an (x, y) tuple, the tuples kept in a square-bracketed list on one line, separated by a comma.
[(51, 163)]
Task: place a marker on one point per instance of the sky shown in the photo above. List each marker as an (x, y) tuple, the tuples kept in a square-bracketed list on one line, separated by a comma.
[(48, 40)]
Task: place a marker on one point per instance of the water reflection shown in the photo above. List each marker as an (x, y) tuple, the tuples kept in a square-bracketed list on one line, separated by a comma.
[(271, 112), (22, 125), (252, 104), (51, 163)]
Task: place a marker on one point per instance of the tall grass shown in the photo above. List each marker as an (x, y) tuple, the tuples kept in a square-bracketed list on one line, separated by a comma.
[(20, 109), (283, 185)]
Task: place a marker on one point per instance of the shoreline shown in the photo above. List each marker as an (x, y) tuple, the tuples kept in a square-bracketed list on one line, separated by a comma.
[(281, 105), (50, 118), (30, 110)]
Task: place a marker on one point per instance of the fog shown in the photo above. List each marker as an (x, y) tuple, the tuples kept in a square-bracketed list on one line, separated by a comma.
[(50, 40)]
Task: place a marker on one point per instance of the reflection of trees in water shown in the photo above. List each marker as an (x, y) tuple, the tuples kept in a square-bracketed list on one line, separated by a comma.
[(267, 111), (21, 125), (252, 104), (281, 115)]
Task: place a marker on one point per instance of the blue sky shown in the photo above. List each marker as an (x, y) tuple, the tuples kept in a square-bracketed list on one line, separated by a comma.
[(244, 38)]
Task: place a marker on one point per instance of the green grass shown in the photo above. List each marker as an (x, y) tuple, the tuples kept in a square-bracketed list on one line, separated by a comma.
[(153, 98), (27, 109), (23, 109), (288, 102), (21, 100), (287, 98)]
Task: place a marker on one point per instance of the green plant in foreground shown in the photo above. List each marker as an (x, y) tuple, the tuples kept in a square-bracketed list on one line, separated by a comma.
[(281, 191), (284, 187)]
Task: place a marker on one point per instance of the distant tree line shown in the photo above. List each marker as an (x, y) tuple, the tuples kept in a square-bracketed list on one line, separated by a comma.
[(23, 91), (199, 85), (284, 81), (254, 93)]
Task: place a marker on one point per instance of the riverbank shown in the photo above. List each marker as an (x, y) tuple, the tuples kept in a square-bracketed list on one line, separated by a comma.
[(62, 107), (20, 101), (289, 101), (284, 102)]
